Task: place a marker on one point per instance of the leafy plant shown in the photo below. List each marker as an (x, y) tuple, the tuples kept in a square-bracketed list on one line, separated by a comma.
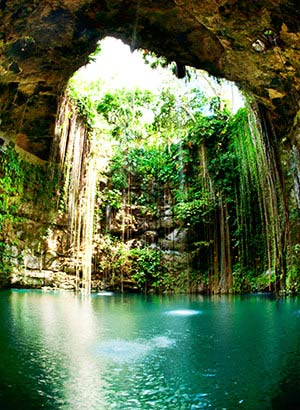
[(21, 185)]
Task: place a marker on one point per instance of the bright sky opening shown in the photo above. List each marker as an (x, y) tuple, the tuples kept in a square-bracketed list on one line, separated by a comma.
[(117, 67)]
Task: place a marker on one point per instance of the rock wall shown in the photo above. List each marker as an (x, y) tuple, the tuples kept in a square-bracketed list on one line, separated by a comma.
[(40, 210), (42, 43)]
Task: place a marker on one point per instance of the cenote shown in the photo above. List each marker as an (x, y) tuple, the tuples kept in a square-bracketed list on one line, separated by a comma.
[(149, 205), (64, 351)]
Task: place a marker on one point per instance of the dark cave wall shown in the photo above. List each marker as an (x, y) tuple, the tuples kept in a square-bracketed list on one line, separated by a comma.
[(43, 42)]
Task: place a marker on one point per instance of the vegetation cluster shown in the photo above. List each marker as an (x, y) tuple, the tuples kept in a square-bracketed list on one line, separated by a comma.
[(210, 168), (26, 203)]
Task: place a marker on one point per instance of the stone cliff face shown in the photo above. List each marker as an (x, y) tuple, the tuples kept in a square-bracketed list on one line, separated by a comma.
[(256, 44)]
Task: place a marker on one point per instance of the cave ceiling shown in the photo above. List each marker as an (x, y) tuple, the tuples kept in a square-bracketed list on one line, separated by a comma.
[(42, 43)]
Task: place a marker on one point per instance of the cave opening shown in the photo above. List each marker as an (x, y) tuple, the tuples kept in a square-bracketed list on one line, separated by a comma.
[(189, 196), (245, 165)]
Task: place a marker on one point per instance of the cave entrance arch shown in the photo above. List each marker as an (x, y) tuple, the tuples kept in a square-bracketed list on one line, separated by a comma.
[(43, 43)]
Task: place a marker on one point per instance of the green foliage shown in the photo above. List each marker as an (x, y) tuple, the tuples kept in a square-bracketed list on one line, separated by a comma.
[(85, 107), (208, 128), (172, 166), (191, 212), (118, 177), (189, 152), (21, 185), (112, 197), (5, 265), (249, 280), (147, 270), (95, 54), (12, 180), (125, 112), (153, 60), (153, 168), (293, 276), (139, 265)]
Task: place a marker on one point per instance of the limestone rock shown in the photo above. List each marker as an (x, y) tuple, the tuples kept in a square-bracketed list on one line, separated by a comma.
[(31, 261)]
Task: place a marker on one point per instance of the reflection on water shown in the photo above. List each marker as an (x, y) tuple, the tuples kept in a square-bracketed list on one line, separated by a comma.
[(122, 351), (183, 312), (126, 351), (61, 351), (105, 293)]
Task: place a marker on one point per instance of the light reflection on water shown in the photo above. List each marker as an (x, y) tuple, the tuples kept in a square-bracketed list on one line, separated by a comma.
[(183, 312), (62, 351), (122, 351)]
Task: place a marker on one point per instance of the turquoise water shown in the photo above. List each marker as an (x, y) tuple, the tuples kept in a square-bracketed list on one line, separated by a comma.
[(61, 351)]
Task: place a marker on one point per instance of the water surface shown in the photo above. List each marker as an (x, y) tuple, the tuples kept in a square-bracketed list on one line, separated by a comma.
[(62, 351)]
